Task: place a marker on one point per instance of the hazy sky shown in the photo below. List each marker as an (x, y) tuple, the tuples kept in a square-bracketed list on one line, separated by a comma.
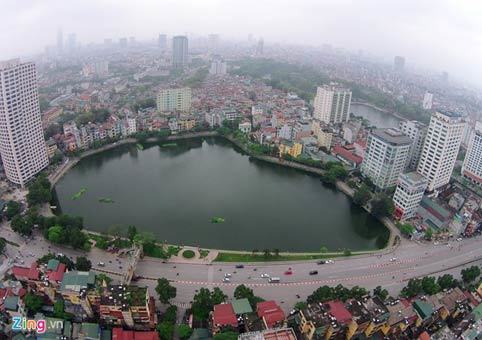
[(439, 34)]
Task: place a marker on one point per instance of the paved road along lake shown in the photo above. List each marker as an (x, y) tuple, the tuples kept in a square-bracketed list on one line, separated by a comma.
[(174, 192)]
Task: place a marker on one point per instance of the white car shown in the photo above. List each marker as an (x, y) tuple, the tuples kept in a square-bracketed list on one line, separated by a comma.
[(330, 261), (226, 279), (227, 275), (393, 259), (101, 264), (264, 276), (459, 239)]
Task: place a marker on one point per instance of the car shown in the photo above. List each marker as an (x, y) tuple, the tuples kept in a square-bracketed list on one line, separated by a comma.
[(330, 261), (459, 239), (313, 272), (321, 262), (239, 266), (101, 264), (60, 254), (265, 276), (288, 272), (393, 259), (226, 279), (227, 275)]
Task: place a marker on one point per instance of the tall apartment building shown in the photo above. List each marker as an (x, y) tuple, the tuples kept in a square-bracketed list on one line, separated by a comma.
[(427, 101), (472, 167), (416, 131), (385, 157), (332, 104), (178, 99), (218, 67), (162, 41), (410, 189), (440, 148), (398, 63), (22, 144), (179, 51)]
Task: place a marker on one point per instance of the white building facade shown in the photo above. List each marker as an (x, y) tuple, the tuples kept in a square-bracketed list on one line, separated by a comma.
[(472, 167), (178, 99), (385, 157), (332, 104), (22, 144), (440, 148), (427, 101), (416, 131), (408, 195)]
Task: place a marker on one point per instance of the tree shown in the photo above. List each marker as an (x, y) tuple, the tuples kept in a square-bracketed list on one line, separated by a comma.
[(300, 305), (382, 206), (362, 195), (229, 335), (380, 292), (83, 264), (166, 330), (347, 252), (3, 244), (13, 208), (202, 304), (266, 253), (406, 229), (428, 233), (470, 274), (33, 303), (413, 288), (102, 279), (430, 285), (184, 331), (59, 308), (19, 225), (39, 191), (218, 296), (56, 234), (131, 232), (243, 292), (165, 290), (170, 315), (446, 281), (276, 252), (323, 249)]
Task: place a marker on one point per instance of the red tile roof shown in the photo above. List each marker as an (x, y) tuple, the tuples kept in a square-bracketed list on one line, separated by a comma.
[(57, 275), (120, 334), (270, 312), (424, 336), (223, 315), (31, 273), (339, 311), (346, 154)]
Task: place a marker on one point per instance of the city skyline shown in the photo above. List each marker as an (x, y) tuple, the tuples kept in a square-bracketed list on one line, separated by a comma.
[(416, 32)]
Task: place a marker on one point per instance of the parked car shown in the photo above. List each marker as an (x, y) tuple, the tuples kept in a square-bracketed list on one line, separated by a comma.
[(226, 279), (321, 262), (101, 264), (313, 272), (288, 272), (239, 266), (264, 276)]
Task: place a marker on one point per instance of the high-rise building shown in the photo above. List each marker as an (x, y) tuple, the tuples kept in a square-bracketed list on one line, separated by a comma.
[(332, 104), (123, 42), (72, 42), (218, 67), (385, 157), (260, 47), (398, 63), (416, 131), (440, 148), (179, 51), (427, 101), (162, 41), (22, 144), (472, 167), (410, 189), (60, 40), (178, 99)]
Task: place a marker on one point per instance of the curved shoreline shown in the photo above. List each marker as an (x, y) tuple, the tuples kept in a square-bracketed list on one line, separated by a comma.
[(372, 106), (390, 245)]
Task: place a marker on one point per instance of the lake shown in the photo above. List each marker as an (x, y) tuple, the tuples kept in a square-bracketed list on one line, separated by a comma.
[(175, 191), (376, 117)]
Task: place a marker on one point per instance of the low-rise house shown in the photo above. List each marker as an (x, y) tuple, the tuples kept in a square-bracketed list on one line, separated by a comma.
[(223, 316), (74, 289), (271, 314), (379, 315), (402, 316), (27, 274), (55, 272), (347, 155), (290, 148), (245, 127), (89, 331)]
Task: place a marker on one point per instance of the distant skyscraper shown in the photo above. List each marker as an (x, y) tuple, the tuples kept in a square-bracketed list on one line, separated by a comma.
[(385, 157), (72, 42), (440, 148), (60, 40), (162, 41), (179, 51), (472, 168), (123, 42), (427, 101), (332, 104), (398, 63), (260, 47), (416, 131), (22, 144), (218, 67)]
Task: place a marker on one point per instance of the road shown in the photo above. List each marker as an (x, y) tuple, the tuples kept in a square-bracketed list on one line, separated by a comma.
[(369, 271)]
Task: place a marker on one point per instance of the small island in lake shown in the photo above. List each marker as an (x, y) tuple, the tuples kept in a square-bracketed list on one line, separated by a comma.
[(216, 219), (79, 194), (106, 200)]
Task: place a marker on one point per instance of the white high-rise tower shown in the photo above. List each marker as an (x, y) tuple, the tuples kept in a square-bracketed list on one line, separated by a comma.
[(22, 143), (472, 168), (440, 148), (332, 104)]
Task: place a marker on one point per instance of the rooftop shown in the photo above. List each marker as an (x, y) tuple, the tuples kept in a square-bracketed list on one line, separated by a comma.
[(392, 136), (241, 306), (270, 312), (223, 315), (125, 296), (75, 280)]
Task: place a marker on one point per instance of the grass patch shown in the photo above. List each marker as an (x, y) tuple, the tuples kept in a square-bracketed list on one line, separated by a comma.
[(246, 257), (203, 253), (188, 254), (154, 250), (173, 250)]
